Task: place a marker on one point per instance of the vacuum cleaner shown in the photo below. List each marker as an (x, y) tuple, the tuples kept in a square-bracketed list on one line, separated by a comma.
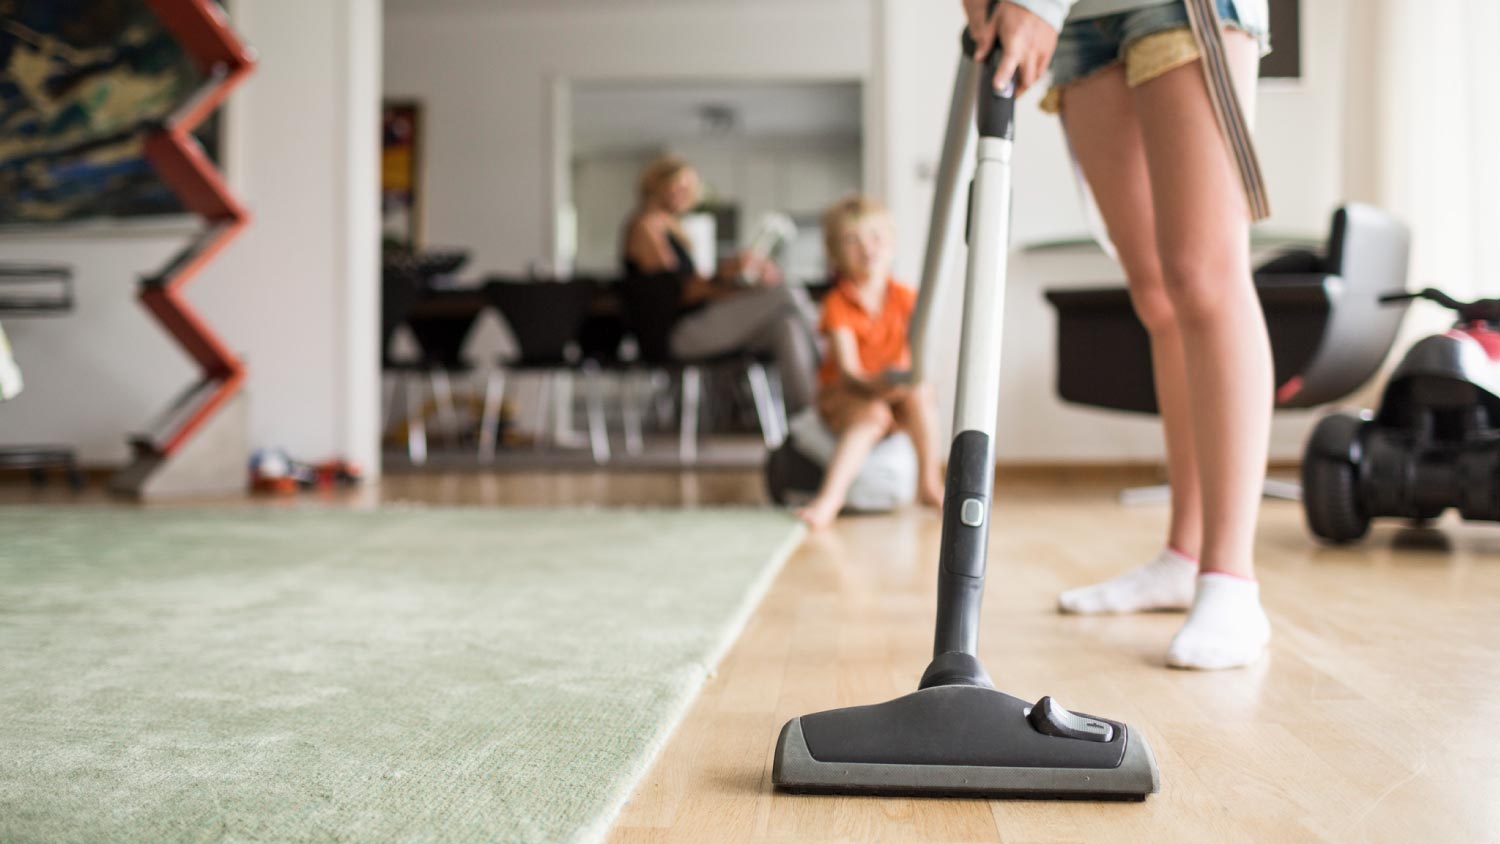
[(1434, 444), (957, 735)]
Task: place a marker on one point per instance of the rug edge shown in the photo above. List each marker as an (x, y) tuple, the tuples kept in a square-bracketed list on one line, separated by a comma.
[(598, 831)]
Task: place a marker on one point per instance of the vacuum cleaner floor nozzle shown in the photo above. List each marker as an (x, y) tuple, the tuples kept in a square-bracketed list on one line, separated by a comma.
[(965, 741)]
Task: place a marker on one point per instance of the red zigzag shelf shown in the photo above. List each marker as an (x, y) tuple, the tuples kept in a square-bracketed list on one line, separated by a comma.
[(203, 31)]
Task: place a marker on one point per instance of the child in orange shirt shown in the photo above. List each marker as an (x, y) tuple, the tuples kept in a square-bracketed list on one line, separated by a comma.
[(864, 391)]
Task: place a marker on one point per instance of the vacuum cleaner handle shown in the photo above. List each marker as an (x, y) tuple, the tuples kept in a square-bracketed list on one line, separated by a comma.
[(971, 460), (949, 204)]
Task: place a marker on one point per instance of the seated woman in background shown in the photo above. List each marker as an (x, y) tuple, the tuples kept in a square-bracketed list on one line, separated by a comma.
[(719, 315), (865, 390)]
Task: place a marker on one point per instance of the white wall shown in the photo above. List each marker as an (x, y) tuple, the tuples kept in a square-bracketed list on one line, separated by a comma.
[(297, 295), (604, 187), (1300, 133), (1424, 91), (487, 78)]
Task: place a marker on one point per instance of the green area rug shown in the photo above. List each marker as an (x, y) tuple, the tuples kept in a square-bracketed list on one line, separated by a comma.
[(398, 675)]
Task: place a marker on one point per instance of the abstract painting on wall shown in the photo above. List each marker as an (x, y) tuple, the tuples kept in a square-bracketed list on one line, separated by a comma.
[(80, 83), (401, 175)]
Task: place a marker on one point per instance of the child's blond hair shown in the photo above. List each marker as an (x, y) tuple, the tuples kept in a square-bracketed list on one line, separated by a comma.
[(845, 214)]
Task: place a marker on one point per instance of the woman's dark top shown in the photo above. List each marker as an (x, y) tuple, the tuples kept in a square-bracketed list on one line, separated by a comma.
[(679, 275), (684, 259)]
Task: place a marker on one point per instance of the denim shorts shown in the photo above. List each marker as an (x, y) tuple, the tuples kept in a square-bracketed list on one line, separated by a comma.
[(1149, 42)]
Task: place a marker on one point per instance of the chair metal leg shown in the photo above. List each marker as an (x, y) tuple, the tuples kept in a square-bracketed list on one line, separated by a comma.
[(692, 390), (598, 431), (765, 407), (1281, 490), (390, 389), (1142, 495), (543, 405), (778, 396), (1274, 488), (442, 391), (489, 419), (661, 391), (563, 431), (416, 423), (631, 410)]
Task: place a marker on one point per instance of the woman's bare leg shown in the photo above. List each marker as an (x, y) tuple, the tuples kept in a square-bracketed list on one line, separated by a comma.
[(1203, 239), (1202, 230), (1100, 119)]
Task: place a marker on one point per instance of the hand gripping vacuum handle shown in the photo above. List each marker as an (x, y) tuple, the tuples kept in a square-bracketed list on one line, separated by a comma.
[(997, 109)]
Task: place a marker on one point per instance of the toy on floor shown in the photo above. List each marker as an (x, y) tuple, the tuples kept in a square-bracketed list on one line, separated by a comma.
[(1434, 443), (273, 472)]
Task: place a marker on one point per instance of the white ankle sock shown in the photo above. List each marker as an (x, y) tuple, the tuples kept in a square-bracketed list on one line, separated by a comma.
[(1227, 627), (1165, 583)]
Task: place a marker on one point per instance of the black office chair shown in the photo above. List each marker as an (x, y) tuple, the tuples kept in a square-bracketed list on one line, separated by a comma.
[(1329, 331), (546, 318), (406, 278), (651, 304), (607, 345), (441, 320)]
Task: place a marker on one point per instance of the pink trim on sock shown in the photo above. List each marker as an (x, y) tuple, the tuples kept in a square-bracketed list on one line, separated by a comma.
[(1183, 554), (1245, 578)]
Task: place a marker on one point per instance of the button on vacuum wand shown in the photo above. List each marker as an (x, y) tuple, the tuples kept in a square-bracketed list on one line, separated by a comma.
[(1048, 718)]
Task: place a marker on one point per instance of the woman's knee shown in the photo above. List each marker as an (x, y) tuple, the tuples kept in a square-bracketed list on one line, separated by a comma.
[(1152, 304), (1198, 283)]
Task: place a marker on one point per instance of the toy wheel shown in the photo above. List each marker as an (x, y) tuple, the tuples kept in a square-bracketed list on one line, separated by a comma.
[(791, 478), (1330, 499)]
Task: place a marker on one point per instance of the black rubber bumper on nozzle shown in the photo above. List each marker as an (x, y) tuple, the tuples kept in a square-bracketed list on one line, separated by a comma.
[(958, 741)]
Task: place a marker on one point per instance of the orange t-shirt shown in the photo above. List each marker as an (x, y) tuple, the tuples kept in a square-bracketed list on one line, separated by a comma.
[(881, 338)]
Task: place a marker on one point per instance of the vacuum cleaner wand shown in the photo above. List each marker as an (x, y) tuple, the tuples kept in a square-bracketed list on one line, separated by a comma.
[(957, 735)]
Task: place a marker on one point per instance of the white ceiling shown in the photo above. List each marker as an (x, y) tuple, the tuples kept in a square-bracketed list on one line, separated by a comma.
[(619, 115)]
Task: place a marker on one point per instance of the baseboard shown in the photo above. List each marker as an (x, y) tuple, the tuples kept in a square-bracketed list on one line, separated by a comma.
[(93, 474), (1119, 474)]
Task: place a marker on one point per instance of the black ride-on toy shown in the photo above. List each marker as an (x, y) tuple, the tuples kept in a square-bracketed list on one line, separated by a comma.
[(1434, 444)]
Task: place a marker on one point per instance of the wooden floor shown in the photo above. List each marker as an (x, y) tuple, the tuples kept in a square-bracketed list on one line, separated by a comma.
[(1375, 718)]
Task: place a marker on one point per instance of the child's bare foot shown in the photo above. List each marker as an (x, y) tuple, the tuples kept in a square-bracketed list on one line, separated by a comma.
[(819, 513), (930, 493)]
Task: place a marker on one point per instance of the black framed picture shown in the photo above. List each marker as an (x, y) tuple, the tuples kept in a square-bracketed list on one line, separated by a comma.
[(80, 80)]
